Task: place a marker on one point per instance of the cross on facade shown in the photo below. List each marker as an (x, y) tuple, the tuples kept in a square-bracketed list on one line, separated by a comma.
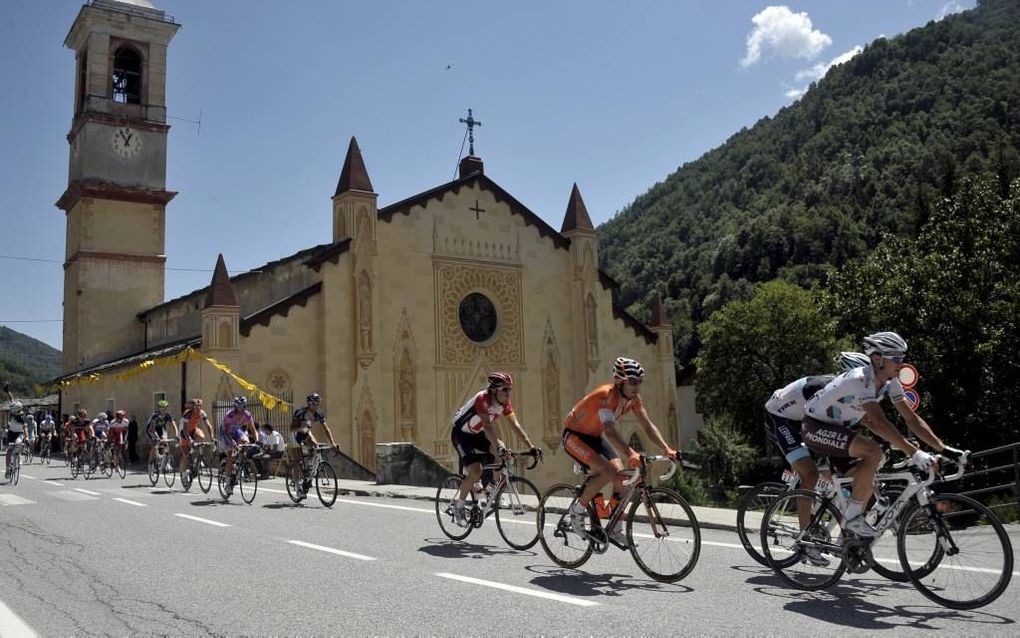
[(471, 124), (476, 209)]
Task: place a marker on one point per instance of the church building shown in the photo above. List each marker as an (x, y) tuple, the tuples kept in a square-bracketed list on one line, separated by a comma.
[(395, 321)]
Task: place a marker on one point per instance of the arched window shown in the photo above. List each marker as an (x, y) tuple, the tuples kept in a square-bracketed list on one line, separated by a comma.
[(127, 76)]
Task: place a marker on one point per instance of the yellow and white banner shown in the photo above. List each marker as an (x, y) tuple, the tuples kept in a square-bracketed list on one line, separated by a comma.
[(189, 354)]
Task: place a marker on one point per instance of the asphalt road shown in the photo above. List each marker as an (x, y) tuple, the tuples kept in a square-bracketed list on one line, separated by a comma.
[(117, 557)]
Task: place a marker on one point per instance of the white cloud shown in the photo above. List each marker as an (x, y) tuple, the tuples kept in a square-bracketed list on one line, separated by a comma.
[(818, 71), (954, 6), (779, 31), (794, 94)]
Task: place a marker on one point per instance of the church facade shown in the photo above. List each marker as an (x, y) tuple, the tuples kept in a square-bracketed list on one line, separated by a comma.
[(395, 321)]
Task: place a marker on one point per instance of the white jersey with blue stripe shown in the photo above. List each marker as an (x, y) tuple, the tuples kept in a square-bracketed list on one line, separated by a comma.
[(789, 402), (842, 401)]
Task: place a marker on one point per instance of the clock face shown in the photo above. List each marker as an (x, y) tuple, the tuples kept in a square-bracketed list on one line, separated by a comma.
[(126, 142)]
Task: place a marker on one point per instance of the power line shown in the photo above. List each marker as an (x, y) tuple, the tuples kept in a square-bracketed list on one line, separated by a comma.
[(30, 320), (58, 261)]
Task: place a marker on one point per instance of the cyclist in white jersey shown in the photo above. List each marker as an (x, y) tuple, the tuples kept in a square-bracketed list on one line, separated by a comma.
[(783, 413), (15, 426), (854, 397)]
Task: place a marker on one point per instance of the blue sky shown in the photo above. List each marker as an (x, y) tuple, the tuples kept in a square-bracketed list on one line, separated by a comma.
[(612, 95)]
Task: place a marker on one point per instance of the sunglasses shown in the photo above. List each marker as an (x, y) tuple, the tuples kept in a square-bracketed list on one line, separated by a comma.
[(897, 359)]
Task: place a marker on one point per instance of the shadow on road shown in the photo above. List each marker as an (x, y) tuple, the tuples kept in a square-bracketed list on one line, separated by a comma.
[(858, 604), (445, 548), (578, 583)]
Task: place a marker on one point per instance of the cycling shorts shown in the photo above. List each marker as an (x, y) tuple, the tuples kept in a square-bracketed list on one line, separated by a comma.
[(471, 448), (785, 433), (12, 437), (81, 435), (583, 448), (827, 438), (302, 435)]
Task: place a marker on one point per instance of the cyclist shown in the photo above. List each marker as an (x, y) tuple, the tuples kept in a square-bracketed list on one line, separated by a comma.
[(238, 427), (783, 413), (99, 434), (118, 435), (596, 415), (475, 438), (15, 427), (853, 397), (30, 429), (193, 417), (156, 426), (306, 420), (81, 428), (46, 428)]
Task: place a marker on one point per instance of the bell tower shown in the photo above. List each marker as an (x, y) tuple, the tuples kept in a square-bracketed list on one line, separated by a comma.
[(116, 197)]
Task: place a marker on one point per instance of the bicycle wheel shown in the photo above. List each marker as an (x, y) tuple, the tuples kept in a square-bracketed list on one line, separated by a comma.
[(750, 510), (787, 547), (325, 484), (107, 465), (186, 477), (26, 454), (15, 468), (204, 476), (118, 458), (663, 534), (154, 464), (561, 544), (882, 555), (87, 466), (517, 513), (168, 471), (247, 480), (977, 564), (446, 498), (75, 465), (221, 481), (67, 454), (292, 484)]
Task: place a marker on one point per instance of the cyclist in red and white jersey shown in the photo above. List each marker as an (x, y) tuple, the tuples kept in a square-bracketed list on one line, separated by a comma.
[(118, 435), (475, 438), (853, 397)]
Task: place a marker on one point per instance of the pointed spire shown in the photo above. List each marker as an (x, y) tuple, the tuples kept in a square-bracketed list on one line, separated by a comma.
[(577, 215), (221, 291), (354, 175), (659, 318)]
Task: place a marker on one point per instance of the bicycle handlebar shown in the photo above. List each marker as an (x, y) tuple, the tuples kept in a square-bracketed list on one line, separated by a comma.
[(961, 466), (645, 460)]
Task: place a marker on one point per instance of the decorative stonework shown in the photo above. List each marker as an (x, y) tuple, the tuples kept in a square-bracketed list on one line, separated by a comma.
[(591, 329), (278, 381), (552, 419), (365, 420), (452, 245), (366, 351), (454, 281), (405, 380)]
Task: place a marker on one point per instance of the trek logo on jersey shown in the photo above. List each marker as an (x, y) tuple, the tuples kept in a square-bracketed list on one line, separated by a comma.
[(786, 405)]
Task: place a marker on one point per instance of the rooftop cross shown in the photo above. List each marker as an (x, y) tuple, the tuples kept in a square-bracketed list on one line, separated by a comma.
[(471, 124)]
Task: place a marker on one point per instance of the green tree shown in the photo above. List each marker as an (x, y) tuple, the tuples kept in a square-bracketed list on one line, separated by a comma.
[(751, 348), (954, 294)]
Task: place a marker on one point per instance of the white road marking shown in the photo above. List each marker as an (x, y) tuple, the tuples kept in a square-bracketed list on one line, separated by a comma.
[(519, 590), (391, 507), (124, 500), (338, 552), (49, 482), (202, 520), (23, 475), (12, 626), (78, 489), (14, 499)]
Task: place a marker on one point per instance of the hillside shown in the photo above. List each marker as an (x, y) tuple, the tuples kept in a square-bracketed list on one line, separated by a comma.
[(26, 361), (867, 151)]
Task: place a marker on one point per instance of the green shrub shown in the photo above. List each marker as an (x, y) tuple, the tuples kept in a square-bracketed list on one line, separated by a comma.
[(723, 453)]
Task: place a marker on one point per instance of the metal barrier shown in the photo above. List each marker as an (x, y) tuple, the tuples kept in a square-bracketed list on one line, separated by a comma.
[(991, 473)]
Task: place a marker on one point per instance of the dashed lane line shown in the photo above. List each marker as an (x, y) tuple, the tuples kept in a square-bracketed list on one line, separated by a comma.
[(89, 492), (124, 500), (519, 590), (202, 520), (12, 626), (338, 552)]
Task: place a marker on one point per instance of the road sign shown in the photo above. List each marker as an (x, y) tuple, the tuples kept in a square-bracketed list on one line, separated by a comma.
[(908, 375), (913, 399)]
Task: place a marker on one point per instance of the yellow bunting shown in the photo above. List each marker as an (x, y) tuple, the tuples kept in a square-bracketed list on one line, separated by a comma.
[(267, 399)]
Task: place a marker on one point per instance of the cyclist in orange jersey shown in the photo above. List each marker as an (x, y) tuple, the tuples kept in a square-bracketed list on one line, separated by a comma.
[(595, 417), (191, 419)]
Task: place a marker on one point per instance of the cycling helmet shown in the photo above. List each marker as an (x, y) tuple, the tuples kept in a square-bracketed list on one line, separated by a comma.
[(101, 416), (197, 403), (16, 407), (120, 413), (847, 361), (625, 369), (163, 403), (313, 397), (498, 380), (885, 343), (240, 402)]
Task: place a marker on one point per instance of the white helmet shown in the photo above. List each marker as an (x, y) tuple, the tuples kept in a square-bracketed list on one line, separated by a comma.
[(885, 344), (847, 361), (16, 407)]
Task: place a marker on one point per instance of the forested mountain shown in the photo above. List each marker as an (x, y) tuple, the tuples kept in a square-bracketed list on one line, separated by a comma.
[(868, 151), (25, 362)]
